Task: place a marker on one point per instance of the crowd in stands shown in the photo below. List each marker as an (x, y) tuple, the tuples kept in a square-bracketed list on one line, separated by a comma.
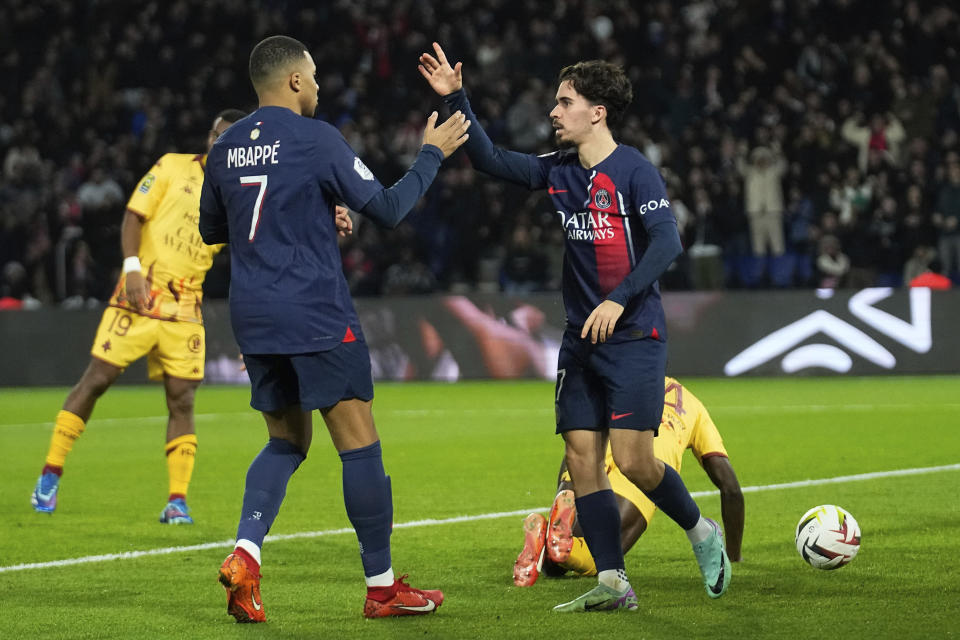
[(805, 143)]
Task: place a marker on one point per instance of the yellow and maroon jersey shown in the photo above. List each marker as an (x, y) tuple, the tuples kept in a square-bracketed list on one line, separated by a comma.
[(173, 257), (685, 424)]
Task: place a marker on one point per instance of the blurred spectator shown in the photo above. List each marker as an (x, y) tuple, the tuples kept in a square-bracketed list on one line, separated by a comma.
[(762, 176), (851, 197), (916, 225), (947, 219), (99, 193), (801, 232), (706, 269), (408, 276), (22, 161), (884, 236), (832, 264), (932, 278), (878, 141), (918, 263), (13, 289), (524, 264)]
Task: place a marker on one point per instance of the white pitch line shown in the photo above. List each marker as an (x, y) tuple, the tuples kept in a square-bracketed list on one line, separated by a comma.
[(429, 522), (205, 417), (716, 408)]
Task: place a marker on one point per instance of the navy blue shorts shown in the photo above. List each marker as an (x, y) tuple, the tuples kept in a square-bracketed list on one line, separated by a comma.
[(313, 380), (615, 386)]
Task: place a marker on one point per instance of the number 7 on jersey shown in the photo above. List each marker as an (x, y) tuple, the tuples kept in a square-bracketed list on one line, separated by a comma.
[(249, 181)]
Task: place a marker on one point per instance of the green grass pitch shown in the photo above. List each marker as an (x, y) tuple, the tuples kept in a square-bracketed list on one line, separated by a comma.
[(484, 448)]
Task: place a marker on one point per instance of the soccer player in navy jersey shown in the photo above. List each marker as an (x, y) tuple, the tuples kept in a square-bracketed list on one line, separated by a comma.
[(271, 188), (620, 236)]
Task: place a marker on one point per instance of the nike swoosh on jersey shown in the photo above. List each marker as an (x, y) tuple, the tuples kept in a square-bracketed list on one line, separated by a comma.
[(430, 606), (616, 416), (553, 191)]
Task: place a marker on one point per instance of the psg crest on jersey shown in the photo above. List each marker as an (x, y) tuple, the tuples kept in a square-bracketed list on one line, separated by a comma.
[(601, 199)]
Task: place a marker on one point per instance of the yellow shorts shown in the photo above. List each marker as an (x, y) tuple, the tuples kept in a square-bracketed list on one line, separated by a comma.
[(173, 348), (623, 487)]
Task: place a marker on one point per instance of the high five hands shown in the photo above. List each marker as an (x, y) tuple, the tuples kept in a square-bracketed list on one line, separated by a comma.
[(439, 74), (448, 136)]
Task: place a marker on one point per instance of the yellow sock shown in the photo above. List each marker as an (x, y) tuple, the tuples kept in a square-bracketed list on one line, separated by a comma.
[(580, 560), (66, 430), (181, 454)]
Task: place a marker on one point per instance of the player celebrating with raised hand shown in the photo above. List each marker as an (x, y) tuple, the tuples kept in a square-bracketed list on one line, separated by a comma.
[(270, 192), (620, 236), (155, 311)]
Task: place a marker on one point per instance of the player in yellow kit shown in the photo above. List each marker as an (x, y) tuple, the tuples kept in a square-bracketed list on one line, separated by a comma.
[(556, 546), (155, 311)]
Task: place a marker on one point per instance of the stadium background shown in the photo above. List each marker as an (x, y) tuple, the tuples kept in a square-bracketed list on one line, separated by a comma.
[(96, 91)]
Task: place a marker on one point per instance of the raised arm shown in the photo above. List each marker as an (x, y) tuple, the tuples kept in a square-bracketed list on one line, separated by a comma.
[(721, 474), (447, 81)]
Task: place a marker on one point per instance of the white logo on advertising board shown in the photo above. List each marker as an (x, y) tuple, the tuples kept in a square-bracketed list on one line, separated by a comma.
[(916, 335)]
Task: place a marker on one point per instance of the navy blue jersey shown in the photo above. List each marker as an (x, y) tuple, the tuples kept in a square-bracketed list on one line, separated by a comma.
[(619, 230), (605, 212), (272, 181)]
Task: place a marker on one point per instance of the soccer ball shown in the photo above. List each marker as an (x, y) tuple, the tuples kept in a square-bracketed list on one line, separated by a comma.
[(828, 537)]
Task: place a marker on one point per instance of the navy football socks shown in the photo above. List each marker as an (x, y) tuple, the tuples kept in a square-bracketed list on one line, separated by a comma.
[(599, 518), (369, 502), (671, 497), (266, 486)]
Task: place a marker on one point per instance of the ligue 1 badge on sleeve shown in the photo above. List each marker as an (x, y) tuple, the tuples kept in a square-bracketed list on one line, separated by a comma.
[(147, 183), (362, 169)]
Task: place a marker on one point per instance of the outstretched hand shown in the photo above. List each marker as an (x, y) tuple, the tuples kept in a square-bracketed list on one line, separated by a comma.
[(448, 136), (442, 77)]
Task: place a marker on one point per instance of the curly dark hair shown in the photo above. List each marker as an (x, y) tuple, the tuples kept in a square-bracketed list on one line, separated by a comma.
[(271, 55), (601, 82)]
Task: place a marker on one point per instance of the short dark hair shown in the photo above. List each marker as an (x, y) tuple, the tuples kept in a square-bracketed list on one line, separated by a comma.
[(230, 115), (271, 55), (601, 82)]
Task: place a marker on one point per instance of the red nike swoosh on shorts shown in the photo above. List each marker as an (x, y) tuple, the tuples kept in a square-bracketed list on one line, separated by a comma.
[(553, 191), (617, 416)]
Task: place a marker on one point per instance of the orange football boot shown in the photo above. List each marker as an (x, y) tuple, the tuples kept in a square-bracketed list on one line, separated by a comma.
[(243, 590), (560, 526), (526, 569), (400, 599)]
